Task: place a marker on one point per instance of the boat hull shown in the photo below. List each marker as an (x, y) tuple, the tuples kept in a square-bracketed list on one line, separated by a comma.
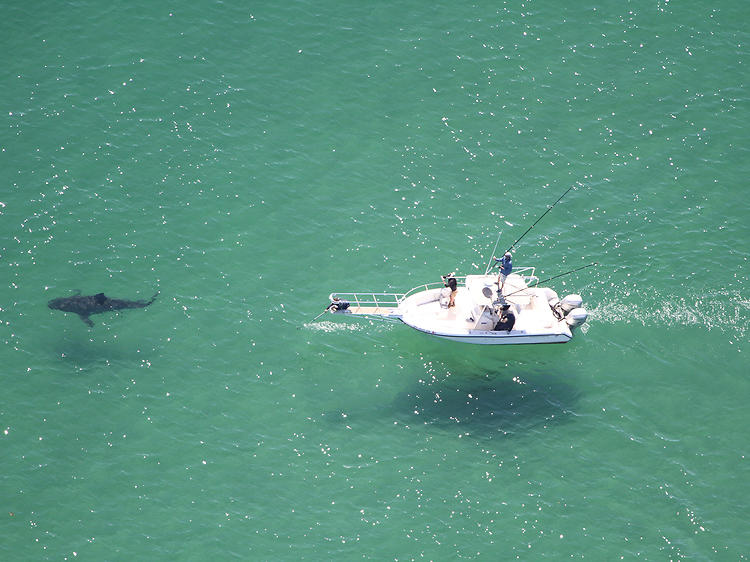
[(497, 338), (472, 313)]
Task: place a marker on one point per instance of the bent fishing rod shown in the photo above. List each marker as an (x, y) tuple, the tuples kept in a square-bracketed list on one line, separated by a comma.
[(554, 277)]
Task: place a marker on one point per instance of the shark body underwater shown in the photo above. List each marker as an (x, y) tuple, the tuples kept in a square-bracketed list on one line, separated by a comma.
[(86, 305)]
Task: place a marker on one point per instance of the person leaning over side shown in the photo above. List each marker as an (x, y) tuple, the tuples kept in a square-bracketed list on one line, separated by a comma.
[(338, 304)]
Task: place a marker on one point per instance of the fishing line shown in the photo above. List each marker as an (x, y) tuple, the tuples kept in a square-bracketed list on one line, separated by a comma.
[(540, 218), (486, 271), (554, 277)]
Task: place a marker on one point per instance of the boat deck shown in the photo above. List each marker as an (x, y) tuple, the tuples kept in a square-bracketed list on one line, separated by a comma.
[(381, 305), (384, 311), (475, 314)]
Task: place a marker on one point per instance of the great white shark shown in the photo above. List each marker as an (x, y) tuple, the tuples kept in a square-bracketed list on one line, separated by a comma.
[(86, 305)]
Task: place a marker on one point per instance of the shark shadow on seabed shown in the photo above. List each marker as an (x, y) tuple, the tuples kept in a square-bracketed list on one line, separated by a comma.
[(93, 355)]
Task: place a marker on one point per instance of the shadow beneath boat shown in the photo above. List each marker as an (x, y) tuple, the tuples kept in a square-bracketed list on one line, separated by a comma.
[(489, 390), (489, 404), (486, 391)]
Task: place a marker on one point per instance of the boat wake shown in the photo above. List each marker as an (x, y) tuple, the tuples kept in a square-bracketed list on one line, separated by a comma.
[(330, 327), (725, 311)]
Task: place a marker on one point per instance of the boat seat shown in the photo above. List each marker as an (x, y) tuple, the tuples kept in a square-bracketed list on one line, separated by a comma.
[(445, 297)]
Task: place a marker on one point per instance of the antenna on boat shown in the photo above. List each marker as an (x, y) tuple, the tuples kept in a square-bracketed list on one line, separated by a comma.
[(540, 218), (555, 277)]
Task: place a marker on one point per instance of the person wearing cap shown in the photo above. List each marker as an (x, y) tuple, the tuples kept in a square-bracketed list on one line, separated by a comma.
[(338, 304), (507, 319), (506, 266), (450, 281)]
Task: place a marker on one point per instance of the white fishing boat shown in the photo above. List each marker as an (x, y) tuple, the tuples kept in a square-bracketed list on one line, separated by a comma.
[(479, 309), (540, 316)]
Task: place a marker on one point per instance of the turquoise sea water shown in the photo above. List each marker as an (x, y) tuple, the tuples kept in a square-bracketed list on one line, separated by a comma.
[(246, 160)]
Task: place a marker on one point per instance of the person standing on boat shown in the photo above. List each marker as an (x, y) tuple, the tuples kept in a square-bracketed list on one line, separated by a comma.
[(450, 281), (506, 266)]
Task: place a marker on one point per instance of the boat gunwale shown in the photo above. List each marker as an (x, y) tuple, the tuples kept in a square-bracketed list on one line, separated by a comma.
[(394, 299), (495, 336)]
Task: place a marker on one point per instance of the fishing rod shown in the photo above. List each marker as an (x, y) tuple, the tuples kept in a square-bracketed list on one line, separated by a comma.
[(537, 220), (486, 271), (321, 314), (555, 277)]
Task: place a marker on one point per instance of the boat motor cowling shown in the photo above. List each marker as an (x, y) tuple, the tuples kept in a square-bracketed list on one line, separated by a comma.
[(551, 296), (576, 317), (571, 302)]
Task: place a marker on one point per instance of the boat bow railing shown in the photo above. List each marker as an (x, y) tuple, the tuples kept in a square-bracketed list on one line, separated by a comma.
[(370, 300), (528, 274), (386, 304), (436, 285)]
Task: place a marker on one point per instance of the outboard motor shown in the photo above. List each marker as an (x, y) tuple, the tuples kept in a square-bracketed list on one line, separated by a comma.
[(570, 307), (576, 317), (554, 302), (551, 296), (570, 302)]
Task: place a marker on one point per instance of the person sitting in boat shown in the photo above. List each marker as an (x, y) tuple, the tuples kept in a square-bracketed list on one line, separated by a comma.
[(338, 304), (450, 281), (506, 266), (507, 319)]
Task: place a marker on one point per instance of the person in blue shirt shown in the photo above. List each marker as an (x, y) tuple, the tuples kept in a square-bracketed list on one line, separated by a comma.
[(506, 266)]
